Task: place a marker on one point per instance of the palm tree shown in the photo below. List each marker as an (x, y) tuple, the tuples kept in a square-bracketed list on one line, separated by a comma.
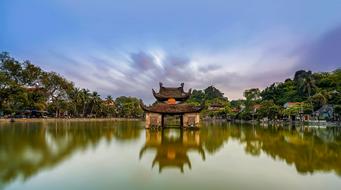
[(307, 85), (95, 100), (75, 98), (84, 97), (109, 98), (109, 106)]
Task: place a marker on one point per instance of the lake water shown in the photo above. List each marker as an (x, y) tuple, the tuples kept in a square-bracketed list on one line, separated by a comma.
[(123, 155)]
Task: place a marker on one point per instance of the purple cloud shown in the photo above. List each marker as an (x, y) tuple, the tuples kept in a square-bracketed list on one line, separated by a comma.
[(323, 54), (257, 64)]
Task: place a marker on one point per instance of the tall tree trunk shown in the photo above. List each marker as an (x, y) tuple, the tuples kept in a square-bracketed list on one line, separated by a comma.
[(92, 108), (75, 111), (84, 109)]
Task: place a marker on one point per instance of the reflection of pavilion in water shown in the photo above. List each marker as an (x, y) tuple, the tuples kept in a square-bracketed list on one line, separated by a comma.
[(172, 147), (27, 149)]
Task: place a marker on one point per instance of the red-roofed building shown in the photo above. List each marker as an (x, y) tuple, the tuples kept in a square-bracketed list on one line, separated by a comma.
[(291, 104)]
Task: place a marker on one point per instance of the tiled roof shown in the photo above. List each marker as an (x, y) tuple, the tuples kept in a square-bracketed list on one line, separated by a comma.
[(170, 92)]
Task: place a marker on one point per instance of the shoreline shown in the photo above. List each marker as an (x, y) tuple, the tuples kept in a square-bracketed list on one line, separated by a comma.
[(22, 120), (29, 120), (280, 122)]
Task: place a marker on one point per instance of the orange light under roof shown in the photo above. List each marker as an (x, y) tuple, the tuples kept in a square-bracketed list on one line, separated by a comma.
[(171, 101)]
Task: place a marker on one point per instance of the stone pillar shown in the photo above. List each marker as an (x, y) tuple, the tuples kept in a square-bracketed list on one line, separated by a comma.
[(162, 120), (181, 120), (191, 120), (147, 120), (153, 120)]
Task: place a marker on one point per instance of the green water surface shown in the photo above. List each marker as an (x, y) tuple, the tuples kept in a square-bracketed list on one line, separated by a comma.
[(124, 155)]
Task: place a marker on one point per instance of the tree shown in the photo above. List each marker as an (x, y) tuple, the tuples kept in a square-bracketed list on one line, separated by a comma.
[(84, 99), (31, 74), (318, 100), (237, 103), (197, 97), (109, 98), (337, 112), (128, 107), (75, 100), (95, 102), (269, 109), (212, 92), (56, 90), (252, 94), (108, 108), (11, 67), (281, 92), (292, 111), (306, 84), (5, 84), (12, 95)]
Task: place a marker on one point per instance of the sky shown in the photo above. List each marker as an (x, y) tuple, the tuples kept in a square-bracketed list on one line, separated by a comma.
[(126, 47)]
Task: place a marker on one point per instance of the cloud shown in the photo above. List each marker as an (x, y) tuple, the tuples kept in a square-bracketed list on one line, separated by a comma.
[(229, 72), (142, 61), (324, 53), (257, 63)]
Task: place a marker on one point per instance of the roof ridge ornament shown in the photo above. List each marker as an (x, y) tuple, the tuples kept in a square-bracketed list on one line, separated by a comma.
[(177, 93)]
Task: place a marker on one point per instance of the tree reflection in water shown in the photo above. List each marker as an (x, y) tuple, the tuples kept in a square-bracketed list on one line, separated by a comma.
[(28, 148), (308, 149)]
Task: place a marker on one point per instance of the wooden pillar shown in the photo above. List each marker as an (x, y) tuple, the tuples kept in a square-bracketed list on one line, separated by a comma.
[(162, 120), (181, 120)]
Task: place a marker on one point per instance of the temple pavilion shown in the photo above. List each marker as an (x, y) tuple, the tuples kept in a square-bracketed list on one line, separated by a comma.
[(170, 103)]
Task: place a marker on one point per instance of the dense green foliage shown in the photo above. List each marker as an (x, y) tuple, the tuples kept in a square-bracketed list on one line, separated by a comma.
[(311, 90), (314, 90), (24, 86), (306, 86), (211, 96), (211, 93)]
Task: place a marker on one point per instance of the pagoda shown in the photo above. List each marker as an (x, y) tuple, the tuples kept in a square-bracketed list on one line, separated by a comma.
[(170, 102)]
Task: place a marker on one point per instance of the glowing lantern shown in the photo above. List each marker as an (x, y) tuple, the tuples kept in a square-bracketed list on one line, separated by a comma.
[(171, 101)]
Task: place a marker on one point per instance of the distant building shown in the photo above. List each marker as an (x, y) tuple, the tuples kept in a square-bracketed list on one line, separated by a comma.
[(34, 88), (109, 102), (291, 104), (215, 107), (296, 116), (236, 110), (326, 112), (256, 107)]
